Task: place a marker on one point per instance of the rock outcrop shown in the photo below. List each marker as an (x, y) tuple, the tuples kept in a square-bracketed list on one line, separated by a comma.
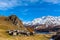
[(15, 21)]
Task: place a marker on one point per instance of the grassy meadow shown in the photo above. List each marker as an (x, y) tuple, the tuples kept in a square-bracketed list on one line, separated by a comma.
[(5, 36)]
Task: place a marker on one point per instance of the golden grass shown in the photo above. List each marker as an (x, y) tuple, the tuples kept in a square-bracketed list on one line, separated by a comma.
[(36, 37), (5, 36), (7, 25), (24, 38)]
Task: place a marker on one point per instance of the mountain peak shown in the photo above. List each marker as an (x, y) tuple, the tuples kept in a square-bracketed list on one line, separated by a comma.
[(55, 20), (11, 22)]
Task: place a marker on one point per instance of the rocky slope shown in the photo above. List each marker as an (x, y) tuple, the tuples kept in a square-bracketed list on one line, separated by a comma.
[(10, 23)]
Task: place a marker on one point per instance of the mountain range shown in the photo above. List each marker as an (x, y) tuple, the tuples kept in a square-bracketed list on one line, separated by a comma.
[(55, 20), (45, 23)]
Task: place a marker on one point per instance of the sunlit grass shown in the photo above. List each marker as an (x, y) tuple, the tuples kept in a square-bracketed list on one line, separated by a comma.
[(5, 36)]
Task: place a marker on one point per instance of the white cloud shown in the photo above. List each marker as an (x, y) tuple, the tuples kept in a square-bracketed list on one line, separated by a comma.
[(6, 4), (33, 1), (52, 1)]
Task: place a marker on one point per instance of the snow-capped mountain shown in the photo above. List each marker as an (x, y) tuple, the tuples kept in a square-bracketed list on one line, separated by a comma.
[(55, 20)]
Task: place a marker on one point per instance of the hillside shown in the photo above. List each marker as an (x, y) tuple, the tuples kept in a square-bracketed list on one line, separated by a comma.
[(13, 23), (9, 23)]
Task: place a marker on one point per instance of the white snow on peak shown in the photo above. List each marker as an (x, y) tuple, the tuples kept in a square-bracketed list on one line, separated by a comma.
[(44, 20)]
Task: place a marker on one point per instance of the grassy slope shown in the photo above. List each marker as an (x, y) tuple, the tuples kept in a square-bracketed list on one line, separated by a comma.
[(5, 36), (5, 25)]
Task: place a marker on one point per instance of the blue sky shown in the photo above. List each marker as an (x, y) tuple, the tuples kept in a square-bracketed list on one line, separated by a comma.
[(27, 10)]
